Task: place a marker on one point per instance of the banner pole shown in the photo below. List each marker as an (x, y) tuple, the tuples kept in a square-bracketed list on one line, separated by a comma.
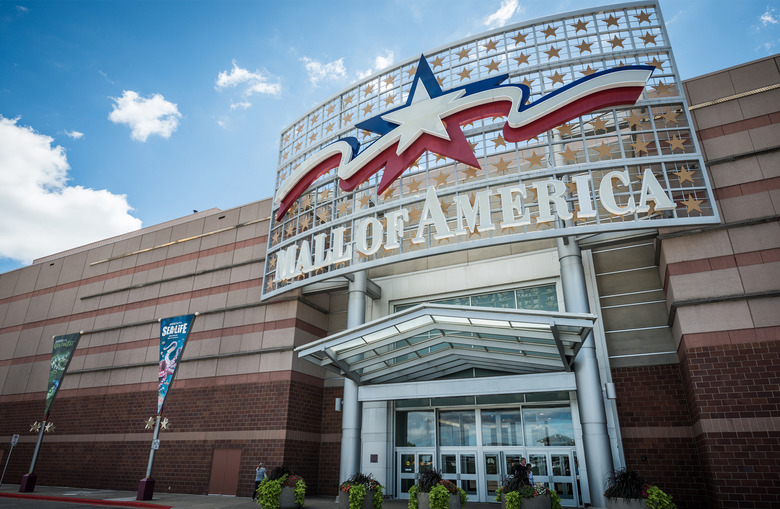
[(151, 451), (37, 447)]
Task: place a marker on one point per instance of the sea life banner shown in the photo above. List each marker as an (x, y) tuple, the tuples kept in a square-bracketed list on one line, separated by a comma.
[(173, 336), (62, 353)]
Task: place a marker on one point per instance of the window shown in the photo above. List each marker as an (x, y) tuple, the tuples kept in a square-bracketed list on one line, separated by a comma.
[(548, 426), (537, 298), (502, 427), (414, 429), (457, 428)]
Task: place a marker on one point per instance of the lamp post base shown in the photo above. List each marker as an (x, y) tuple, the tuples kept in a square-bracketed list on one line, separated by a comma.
[(28, 483), (145, 489)]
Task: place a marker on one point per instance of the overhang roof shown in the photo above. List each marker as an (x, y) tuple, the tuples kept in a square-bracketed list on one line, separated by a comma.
[(431, 341)]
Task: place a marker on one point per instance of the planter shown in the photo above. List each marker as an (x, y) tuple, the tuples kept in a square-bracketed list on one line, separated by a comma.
[(422, 501), (368, 500), (626, 503), (538, 502), (287, 499)]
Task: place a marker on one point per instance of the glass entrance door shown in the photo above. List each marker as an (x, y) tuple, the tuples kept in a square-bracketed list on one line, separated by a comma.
[(498, 465), (555, 469), (410, 464), (460, 467)]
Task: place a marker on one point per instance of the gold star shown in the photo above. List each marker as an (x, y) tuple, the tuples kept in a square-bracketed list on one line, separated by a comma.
[(519, 38), (149, 423), (463, 53), (473, 145), (464, 74), (269, 285), (616, 41), (299, 129), (367, 109), (556, 78), (531, 196), (692, 204), (604, 150), (410, 72), (649, 39), (584, 46), (366, 134), (276, 237), (502, 166), (499, 141), (324, 195), (580, 25), (313, 119), (390, 99), (522, 58), (347, 118), (564, 129), (440, 80), (369, 89), (49, 427), (364, 201), (436, 62), (414, 215), (492, 66), (588, 71), (388, 194), (330, 109), (313, 136), (670, 116), (598, 124), (306, 202), (676, 143), (658, 64), (611, 20), (490, 45), (640, 146), (287, 138), (527, 82), (414, 185), (348, 99), (444, 206), (553, 52), (470, 173), (284, 156), (569, 155), (684, 174), (571, 187), (662, 89), (535, 159), (390, 81), (305, 223), (289, 230), (441, 179), (642, 16), (440, 157), (343, 207), (272, 263), (329, 128), (634, 119), (549, 31)]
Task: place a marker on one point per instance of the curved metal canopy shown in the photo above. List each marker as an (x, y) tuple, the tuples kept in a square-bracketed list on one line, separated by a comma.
[(431, 341)]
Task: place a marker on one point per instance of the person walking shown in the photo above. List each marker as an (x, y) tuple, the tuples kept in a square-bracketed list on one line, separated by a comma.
[(259, 476)]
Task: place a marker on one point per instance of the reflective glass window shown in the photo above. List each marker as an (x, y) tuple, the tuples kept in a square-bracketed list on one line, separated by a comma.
[(502, 427), (458, 428), (415, 429), (548, 426)]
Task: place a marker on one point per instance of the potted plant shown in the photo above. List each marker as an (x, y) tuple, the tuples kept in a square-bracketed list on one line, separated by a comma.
[(433, 492), (626, 489), (281, 490), (360, 492), (516, 493)]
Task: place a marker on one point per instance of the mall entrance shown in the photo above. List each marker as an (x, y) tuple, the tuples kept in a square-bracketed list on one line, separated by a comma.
[(476, 448)]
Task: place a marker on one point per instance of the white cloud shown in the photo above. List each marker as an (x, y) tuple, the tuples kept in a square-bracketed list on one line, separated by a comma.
[(145, 116), (251, 82), (73, 134), (22, 8), (40, 214), (244, 105), (382, 62), (364, 74), (769, 17), (502, 15), (328, 71)]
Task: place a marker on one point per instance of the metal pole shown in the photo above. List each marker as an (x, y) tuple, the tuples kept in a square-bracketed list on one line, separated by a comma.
[(6, 464), (350, 416), (598, 452), (37, 447), (151, 451)]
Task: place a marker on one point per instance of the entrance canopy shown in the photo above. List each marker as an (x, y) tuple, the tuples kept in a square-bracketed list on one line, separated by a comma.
[(432, 341)]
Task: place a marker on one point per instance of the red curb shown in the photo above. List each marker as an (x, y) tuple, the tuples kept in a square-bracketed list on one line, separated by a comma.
[(90, 501)]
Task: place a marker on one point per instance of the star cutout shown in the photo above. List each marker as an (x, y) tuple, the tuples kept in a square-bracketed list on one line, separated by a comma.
[(580, 25), (440, 157), (588, 71), (313, 137), (329, 128), (322, 215), (276, 237), (287, 138), (364, 201), (519, 38), (165, 424), (299, 129), (269, 285), (499, 141), (367, 108), (491, 45), (330, 109), (436, 62), (149, 423), (492, 66), (284, 156), (640, 146), (642, 17), (549, 31), (35, 427), (502, 166), (670, 116), (676, 143), (443, 205), (390, 81), (564, 129), (527, 82), (569, 155), (298, 146), (470, 173), (414, 185), (313, 119), (410, 72), (662, 89), (553, 52), (692, 204), (604, 150), (347, 118), (272, 263), (464, 74), (305, 223), (50, 425), (634, 119), (649, 39), (584, 46), (616, 41), (306, 202), (473, 145), (390, 99), (522, 58), (611, 20), (598, 124), (324, 195), (535, 159), (440, 80), (368, 89), (388, 194), (343, 207), (658, 64), (441, 179), (571, 188), (556, 78), (685, 175), (348, 100), (463, 53), (414, 215)]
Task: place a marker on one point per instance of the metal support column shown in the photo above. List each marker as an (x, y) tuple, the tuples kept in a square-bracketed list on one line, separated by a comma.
[(37, 446), (152, 449), (598, 453), (350, 416)]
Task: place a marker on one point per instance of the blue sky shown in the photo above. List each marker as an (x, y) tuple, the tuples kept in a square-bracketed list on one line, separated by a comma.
[(116, 115)]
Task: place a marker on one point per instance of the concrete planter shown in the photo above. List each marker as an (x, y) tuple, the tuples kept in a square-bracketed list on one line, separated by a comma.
[(540, 502), (287, 499), (626, 503), (368, 500), (422, 501)]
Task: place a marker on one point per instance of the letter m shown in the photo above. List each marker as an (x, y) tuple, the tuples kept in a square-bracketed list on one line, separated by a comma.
[(285, 263)]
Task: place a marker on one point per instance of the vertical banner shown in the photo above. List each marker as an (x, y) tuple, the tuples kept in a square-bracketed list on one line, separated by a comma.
[(173, 336), (62, 353)]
